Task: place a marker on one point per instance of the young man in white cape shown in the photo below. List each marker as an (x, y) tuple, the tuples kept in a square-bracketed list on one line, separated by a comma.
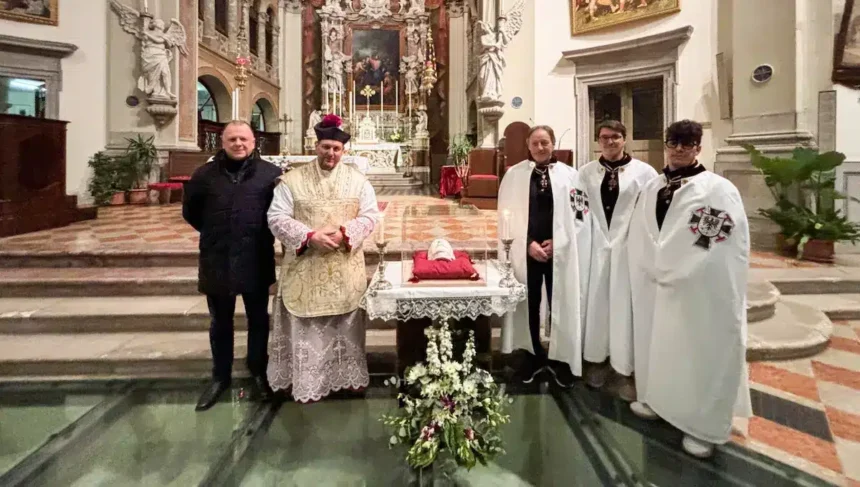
[(613, 181), (689, 255), (546, 213)]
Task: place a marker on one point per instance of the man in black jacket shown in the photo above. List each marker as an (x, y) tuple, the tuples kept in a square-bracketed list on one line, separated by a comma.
[(226, 201)]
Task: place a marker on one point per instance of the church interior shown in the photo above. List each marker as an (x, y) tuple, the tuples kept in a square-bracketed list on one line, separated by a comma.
[(103, 334)]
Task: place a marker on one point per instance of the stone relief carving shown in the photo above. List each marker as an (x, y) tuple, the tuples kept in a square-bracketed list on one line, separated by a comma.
[(493, 45), (416, 7), (291, 6), (456, 8), (375, 9), (156, 54)]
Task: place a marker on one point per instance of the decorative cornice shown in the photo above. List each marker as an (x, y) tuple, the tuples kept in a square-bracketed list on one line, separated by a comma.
[(654, 44), (23, 45)]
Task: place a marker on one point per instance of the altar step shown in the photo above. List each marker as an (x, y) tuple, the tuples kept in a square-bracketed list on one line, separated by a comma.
[(97, 356), (126, 314), (393, 181)]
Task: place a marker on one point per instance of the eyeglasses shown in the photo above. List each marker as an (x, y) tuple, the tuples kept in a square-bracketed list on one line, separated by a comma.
[(674, 144), (610, 138)]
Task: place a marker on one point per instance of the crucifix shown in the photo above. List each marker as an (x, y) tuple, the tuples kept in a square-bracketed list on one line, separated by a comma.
[(286, 121)]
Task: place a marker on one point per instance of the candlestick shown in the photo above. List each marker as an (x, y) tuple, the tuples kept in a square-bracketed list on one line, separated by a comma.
[(397, 96), (145, 6), (508, 279)]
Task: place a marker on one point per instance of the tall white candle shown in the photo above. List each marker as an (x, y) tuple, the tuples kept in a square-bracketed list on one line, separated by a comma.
[(505, 231), (397, 96), (380, 234), (145, 6)]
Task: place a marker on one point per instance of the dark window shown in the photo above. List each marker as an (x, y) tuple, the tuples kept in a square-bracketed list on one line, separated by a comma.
[(270, 38), (206, 108), (252, 35), (220, 16), (201, 6)]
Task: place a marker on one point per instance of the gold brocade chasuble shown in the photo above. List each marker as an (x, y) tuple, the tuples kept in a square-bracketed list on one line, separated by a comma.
[(331, 283)]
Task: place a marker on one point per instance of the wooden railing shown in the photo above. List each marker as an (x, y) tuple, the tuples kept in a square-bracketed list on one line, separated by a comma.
[(209, 138)]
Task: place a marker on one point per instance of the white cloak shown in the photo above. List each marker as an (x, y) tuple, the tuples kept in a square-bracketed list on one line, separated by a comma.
[(689, 286), (608, 329), (571, 231)]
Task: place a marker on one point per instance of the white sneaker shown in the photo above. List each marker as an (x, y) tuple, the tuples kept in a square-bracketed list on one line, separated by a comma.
[(697, 448), (643, 411)]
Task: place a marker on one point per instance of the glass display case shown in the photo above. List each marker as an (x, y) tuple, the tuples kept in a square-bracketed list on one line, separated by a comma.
[(465, 228)]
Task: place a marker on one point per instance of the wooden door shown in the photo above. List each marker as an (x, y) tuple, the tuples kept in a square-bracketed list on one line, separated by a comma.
[(639, 106)]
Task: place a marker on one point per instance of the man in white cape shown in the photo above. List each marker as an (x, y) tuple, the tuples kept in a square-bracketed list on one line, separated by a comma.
[(689, 255), (613, 182), (565, 266), (321, 212)]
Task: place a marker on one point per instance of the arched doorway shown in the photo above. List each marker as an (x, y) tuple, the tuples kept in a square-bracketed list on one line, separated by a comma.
[(264, 121), (214, 108)]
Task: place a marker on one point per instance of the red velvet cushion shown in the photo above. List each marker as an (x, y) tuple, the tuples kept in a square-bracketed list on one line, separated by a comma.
[(459, 268)]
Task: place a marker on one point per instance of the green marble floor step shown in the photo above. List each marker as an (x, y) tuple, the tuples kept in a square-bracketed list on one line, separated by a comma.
[(94, 356)]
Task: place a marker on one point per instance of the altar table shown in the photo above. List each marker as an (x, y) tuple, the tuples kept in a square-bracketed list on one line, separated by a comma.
[(417, 307)]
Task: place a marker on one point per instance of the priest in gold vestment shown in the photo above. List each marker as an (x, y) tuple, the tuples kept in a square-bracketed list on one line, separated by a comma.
[(321, 212)]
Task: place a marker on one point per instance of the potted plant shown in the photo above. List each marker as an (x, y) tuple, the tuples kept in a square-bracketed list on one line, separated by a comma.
[(138, 162), (452, 411), (805, 211), (105, 185), (459, 151)]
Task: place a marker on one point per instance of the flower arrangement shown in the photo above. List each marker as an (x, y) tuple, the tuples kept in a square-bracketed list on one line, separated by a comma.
[(396, 136), (449, 407)]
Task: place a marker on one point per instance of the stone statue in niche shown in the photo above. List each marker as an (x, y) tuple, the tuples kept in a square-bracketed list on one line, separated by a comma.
[(314, 118), (156, 53), (334, 63), (493, 45), (421, 125), (416, 7), (409, 69)]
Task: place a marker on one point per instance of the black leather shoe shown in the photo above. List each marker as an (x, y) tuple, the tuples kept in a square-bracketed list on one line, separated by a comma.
[(211, 394), (262, 391), (561, 373)]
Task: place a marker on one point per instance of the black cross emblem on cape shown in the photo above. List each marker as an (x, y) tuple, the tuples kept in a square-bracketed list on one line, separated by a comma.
[(579, 203), (711, 225)]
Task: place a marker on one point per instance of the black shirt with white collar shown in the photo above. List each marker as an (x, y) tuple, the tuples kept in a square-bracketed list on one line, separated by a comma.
[(609, 192), (665, 195)]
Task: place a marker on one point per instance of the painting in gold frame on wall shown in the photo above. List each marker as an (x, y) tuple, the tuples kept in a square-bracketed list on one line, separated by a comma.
[(32, 11), (592, 15)]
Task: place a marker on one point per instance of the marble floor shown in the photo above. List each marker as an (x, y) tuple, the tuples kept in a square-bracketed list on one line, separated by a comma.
[(807, 411)]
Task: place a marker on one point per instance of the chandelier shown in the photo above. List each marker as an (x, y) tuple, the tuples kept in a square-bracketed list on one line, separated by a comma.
[(428, 77)]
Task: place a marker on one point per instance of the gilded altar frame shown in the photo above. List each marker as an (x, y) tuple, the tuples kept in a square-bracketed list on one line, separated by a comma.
[(50, 19), (607, 13)]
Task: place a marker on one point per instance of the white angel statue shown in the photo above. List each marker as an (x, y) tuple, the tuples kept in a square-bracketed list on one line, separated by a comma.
[(421, 124), (156, 48), (409, 69), (493, 45), (313, 119), (335, 62)]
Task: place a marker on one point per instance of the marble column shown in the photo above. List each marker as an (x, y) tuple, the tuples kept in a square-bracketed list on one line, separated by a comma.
[(276, 39), (289, 59), (233, 8), (776, 115), (208, 20), (458, 105), (262, 20)]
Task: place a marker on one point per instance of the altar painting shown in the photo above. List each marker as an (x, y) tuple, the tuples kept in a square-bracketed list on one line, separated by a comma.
[(591, 15), (32, 11), (375, 61)]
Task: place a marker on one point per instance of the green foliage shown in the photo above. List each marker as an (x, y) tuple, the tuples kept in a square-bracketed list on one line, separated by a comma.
[(452, 411), (107, 177), (140, 155), (459, 149), (803, 187)]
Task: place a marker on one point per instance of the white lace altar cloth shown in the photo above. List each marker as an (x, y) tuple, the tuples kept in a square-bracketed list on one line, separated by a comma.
[(285, 162), (441, 303)]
